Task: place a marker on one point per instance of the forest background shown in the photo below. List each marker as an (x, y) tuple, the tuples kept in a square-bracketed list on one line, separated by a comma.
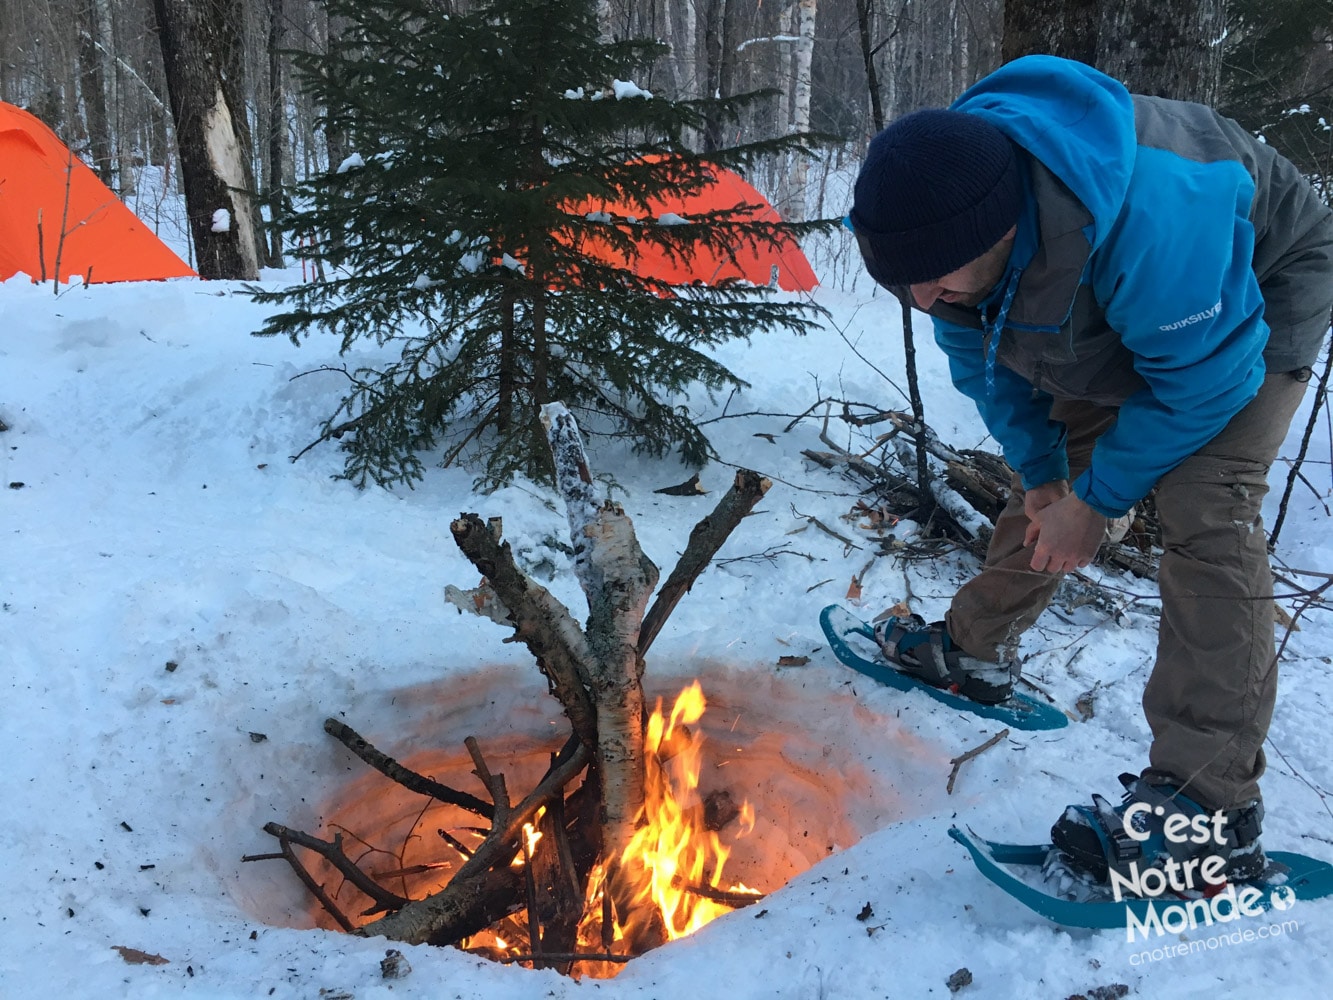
[(99, 73)]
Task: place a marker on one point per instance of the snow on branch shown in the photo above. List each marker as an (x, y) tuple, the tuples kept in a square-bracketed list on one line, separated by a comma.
[(779, 39)]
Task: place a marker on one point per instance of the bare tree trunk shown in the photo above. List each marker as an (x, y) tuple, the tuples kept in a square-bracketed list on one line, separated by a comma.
[(863, 22), (1169, 48), (726, 75), (200, 43), (674, 59), (689, 56), (714, 16), (335, 140), (277, 131), (92, 79), (1057, 27), (805, 50)]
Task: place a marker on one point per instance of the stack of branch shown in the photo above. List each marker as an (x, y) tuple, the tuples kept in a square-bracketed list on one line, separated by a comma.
[(595, 670), (966, 488)]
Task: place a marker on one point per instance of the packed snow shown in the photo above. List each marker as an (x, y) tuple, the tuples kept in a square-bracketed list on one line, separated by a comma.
[(181, 606)]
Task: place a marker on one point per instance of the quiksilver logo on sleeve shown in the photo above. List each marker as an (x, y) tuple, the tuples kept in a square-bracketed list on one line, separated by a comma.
[(1196, 318)]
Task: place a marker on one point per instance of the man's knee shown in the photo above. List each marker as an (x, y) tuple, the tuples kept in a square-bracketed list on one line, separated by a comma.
[(1207, 494)]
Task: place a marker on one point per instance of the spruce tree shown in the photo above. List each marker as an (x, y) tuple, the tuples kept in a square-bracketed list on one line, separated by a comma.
[(456, 232), (1278, 78)]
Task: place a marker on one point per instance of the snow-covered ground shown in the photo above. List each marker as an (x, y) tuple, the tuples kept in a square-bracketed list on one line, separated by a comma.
[(181, 607)]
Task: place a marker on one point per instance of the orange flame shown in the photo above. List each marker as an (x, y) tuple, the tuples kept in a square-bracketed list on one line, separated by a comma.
[(673, 858)]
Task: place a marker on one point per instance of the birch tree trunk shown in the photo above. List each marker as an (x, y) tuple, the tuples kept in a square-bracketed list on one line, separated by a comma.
[(200, 45), (618, 579), (805, 51), (675, 58), (688, 57)]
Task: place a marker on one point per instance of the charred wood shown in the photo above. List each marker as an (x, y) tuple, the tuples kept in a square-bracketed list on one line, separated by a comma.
[(406, 777)]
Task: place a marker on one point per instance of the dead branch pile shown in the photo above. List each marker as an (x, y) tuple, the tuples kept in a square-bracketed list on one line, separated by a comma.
[(965, 491)]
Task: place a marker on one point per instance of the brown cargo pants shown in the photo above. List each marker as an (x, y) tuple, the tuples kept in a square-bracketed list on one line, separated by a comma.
[(1210, 697)]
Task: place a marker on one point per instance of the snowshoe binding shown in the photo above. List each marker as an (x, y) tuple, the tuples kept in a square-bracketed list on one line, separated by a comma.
[(928, 653), (1157, 826)]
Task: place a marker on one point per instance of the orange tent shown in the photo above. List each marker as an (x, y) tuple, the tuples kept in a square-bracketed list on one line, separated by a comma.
[(103, 240), (727, 191)]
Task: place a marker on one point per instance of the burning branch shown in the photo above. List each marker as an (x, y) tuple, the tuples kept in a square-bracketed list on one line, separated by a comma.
[(726, 898), (418, 922)]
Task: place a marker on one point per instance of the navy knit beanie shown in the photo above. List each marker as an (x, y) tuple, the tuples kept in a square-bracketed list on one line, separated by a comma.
[(937, 189)]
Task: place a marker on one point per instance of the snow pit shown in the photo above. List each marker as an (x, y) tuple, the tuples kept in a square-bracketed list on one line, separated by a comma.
[(819, 769)]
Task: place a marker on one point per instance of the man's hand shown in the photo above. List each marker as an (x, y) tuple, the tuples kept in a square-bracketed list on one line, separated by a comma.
[(1039, 498), (1066, 532)]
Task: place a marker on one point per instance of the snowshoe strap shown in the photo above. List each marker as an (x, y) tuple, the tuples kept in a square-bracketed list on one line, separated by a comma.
[(1241, 828), (927, 653), (900, 637), (1244, 825), (1119, 846), (921, 649)]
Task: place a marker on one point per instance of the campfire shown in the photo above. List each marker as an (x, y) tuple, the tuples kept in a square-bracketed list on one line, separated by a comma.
[(674, 863), (625, 838), (674, 868)]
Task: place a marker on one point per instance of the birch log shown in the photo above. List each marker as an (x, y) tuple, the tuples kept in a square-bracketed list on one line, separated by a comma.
[(618, 579)]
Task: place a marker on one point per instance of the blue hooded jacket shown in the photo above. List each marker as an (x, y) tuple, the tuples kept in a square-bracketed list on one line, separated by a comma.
[(1134, 269)]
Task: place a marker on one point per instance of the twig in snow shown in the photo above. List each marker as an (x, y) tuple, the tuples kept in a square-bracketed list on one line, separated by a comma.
[(826, 529), (963, 758), (769, 554)]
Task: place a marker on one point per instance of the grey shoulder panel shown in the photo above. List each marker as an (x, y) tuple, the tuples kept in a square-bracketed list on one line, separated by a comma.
[(1196, 132)]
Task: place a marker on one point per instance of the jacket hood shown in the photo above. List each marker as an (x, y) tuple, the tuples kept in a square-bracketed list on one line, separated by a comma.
[(1075, 120)]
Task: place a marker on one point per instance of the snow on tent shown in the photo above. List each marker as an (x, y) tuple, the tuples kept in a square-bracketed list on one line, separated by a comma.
[(727, 190), (44, 189)]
